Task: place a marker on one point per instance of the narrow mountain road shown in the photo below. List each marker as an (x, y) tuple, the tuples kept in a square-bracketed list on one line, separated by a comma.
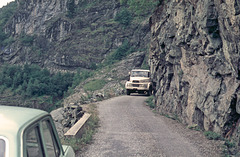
[(129, 128)]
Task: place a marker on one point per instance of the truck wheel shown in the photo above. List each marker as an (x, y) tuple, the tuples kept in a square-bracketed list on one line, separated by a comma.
[(128, 92), (149, 92)]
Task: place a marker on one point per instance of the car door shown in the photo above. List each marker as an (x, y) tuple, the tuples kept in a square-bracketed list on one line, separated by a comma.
[(41, 140)]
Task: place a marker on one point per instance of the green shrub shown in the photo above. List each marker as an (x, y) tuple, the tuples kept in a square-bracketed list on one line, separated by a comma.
[(229, 144), (80, 76), (86, 4), (124, 17), (2, 88), (145, 63), (142, 7), (7, 12), (3, 36), (212, 135), (71, 9), (94, 85), (150, 101), (26, 40), (123, 2), (7, 41), (121, 52)]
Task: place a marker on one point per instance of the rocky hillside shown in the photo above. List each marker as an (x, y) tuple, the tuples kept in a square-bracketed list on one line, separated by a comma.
[(70, 34), (195, 62)]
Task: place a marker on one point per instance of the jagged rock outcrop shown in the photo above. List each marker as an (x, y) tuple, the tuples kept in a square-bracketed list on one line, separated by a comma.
[(195, 61), (34, 18)]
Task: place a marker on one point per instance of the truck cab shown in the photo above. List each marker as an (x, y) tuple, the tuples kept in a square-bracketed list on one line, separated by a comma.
[(139, 82)]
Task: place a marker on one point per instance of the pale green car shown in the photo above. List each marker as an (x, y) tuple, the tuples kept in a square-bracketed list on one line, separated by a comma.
[(26, 132)]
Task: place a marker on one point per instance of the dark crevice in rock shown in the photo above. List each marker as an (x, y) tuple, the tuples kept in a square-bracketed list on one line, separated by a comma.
[(237, 7), (233, 117), (198, 118)]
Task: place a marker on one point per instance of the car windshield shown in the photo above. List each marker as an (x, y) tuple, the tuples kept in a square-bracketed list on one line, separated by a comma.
[(2, 147), (139, 74)]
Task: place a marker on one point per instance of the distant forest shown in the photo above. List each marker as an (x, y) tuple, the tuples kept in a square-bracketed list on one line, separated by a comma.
[(31, 80)]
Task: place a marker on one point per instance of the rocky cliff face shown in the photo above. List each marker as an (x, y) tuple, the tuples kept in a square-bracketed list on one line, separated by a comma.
[(43, 34), (34, 17), (195, 61)]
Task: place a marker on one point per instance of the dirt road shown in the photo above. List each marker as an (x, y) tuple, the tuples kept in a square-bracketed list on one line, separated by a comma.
[(130, 128)]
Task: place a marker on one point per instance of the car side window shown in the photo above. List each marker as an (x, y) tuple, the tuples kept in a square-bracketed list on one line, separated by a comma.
[(53, 149), (2, 148), (33, 145)]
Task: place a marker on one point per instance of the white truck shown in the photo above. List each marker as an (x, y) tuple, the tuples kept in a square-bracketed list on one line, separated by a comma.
[(139, 82)]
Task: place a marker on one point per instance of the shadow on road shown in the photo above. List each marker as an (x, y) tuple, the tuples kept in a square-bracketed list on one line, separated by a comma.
[(136, 94)]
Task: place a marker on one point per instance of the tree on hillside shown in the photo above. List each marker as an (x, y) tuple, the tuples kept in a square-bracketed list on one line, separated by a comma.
[(3, 36), (140, 7), (124, 17), (71, 8), (6, 13), (31, 80)]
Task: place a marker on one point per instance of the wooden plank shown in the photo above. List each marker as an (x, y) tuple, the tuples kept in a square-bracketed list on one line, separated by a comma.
[(77, 129)]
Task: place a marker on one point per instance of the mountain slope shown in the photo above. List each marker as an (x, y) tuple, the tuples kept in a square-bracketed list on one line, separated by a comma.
[(67, 34)]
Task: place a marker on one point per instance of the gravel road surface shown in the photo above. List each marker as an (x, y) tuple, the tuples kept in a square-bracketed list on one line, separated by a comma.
[(128, 128)]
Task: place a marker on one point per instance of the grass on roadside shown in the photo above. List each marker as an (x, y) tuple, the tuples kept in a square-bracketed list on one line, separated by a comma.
[(229, 148), (150, 102), (212, 135)]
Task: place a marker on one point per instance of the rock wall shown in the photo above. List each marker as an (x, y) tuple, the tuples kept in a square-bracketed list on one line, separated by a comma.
[(34, 17), (195, 62)]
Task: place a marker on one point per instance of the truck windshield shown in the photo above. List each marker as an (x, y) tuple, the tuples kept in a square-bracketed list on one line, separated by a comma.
[(2, 147), (139, 74)]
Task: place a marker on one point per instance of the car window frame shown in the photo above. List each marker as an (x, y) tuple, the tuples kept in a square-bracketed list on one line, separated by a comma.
[(6, 145), (32, 126), (54, 132)]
